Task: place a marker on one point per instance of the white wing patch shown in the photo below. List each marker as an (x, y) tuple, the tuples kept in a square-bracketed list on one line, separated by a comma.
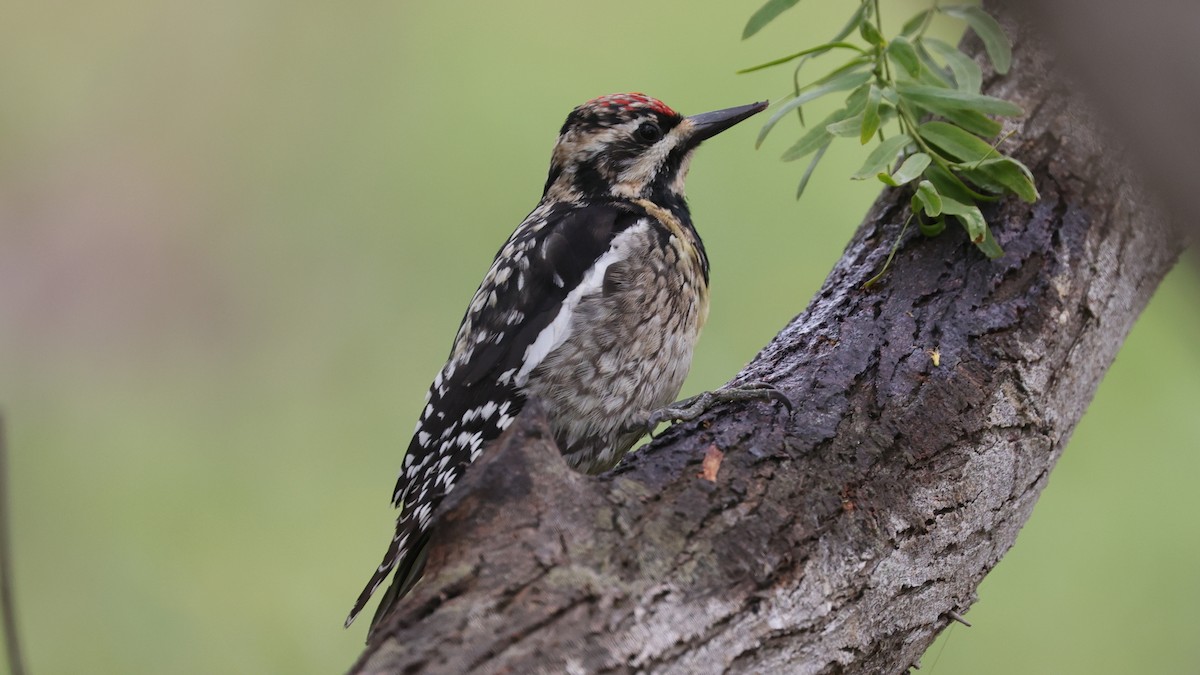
[(559, 329)]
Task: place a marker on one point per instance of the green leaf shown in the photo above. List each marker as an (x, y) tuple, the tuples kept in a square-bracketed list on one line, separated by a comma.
[(932, 74), (929, 199), (871, 34), (853, 65), (811, 166), (976, 123), (904, 55), (765, 15), (1008, 173), (808, 143), (932, 228), (968, 214), (857, 100), (949, 185), (938, 97), (973, 222), (914, 24), (912, 167), (989, 245), (852, 24), (980, 180), (851, 127), (848, 121), (996, 43), (819, 49), (870, 121), (882, 156), (967, 74), (814, 138), (958, 143), (985, 166), (845, 81), (970, 120)]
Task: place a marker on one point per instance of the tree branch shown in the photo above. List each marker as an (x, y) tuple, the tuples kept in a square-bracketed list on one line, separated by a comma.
[(929, 415)]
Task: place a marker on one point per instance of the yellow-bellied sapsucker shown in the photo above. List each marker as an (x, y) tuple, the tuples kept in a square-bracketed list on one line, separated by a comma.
[(593, 305)]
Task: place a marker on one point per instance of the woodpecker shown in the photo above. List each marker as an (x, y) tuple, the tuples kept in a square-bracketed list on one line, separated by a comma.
[(593, 306)]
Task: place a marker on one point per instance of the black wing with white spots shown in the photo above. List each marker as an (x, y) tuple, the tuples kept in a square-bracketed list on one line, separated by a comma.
[(477, 393)]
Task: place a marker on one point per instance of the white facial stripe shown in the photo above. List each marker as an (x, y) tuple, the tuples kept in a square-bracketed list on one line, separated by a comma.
[(633, 179), (557, 332)]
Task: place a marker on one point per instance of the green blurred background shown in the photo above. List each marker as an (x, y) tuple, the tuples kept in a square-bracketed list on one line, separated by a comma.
[(235, 242)]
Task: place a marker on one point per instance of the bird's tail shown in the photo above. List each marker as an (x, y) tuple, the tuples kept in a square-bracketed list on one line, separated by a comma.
[(408, 573), (406, 548)]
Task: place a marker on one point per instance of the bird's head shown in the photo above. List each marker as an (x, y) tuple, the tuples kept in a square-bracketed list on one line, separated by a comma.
[(631, 146)]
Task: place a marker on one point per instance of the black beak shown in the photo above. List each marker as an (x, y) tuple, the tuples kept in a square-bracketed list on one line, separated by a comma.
[(710, 124)]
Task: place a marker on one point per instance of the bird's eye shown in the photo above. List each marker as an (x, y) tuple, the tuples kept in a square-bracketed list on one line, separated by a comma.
[(649, 132)]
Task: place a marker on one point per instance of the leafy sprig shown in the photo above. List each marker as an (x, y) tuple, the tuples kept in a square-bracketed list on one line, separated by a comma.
[(931, 91)]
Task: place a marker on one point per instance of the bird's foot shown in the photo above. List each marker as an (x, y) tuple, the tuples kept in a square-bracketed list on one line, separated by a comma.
[(690, 408)]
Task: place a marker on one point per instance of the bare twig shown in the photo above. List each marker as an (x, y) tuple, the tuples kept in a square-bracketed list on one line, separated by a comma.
[(955, 616), (7, 602)]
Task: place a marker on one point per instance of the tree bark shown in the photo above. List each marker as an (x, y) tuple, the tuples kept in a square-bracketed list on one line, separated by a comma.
[(929, 413)]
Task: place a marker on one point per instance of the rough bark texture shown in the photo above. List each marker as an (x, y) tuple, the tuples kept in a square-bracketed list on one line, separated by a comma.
[(929, 414)]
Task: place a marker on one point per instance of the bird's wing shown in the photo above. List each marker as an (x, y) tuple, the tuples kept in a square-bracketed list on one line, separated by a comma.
[(508, 329), (515, 319)]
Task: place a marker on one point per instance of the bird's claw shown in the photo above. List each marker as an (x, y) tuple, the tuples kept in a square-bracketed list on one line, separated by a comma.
[(690, 408), (763, 391)]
